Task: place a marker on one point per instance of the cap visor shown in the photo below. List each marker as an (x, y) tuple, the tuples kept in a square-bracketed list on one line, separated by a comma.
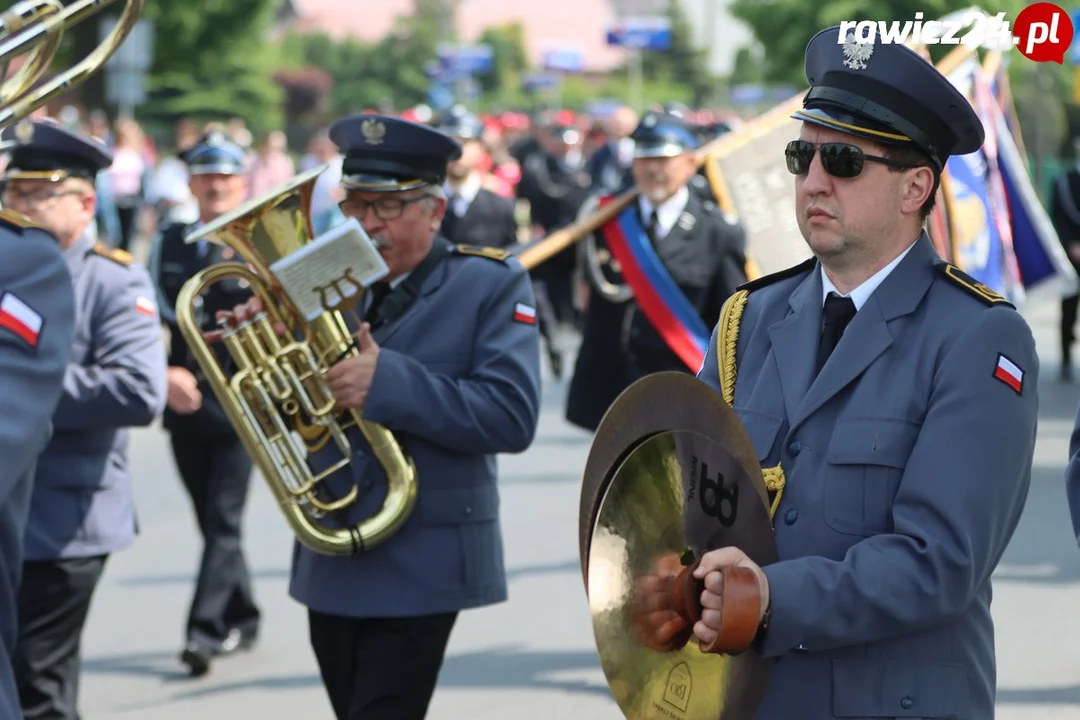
[(666, 150), (850, 124)]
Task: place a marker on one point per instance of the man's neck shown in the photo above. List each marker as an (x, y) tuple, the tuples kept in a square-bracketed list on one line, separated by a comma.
[(848, 276), (67, 242), (457, 183)]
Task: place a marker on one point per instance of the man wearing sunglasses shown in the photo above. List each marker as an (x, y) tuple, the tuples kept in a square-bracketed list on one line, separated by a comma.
[(448, 359), (82, 508), (898, 400)]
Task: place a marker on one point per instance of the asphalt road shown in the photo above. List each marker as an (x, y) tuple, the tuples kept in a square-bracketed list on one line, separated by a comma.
[(532, 657)]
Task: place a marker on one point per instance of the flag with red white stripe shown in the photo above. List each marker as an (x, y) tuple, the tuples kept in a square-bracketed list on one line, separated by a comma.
[(19, 318), (145, 306), (524, 314), (1009, 373)]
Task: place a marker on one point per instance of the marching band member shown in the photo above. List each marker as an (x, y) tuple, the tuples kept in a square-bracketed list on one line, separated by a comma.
[(696, 251), (898, 398), (37, 328), (213, 464), (82, 508), (448, 360)]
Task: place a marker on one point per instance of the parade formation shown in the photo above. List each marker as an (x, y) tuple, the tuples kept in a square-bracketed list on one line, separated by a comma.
[(794, 489)]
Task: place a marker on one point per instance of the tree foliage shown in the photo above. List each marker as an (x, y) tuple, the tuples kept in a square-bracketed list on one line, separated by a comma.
[(682, 64)]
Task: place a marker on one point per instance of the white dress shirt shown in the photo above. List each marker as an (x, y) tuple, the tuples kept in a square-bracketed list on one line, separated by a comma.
[(860, 294)]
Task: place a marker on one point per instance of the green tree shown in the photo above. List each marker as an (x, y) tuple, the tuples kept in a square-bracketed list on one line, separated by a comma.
[(684, 61), (784, 27), (508, 57)]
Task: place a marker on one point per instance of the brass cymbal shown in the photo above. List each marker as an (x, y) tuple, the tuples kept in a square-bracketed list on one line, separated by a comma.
[(671, 475)]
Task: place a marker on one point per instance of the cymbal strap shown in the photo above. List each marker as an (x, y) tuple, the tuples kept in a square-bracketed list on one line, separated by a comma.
[(740, 608)]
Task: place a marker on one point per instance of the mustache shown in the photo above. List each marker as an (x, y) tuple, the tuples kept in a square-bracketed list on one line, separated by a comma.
[(655, 177), (382, 242)]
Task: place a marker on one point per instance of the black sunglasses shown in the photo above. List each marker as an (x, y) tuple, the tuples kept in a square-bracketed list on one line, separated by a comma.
[(841, 160)]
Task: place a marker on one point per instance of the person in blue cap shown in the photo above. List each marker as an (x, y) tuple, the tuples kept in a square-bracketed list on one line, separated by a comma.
[(448, 359), (37, 329), (82, 508), (209, 455), (703, 255), (896, 401)]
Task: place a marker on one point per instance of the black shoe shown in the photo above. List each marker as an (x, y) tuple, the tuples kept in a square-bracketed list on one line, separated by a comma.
[(197, 657), (556, 364), (1066, 372), (237, 641)]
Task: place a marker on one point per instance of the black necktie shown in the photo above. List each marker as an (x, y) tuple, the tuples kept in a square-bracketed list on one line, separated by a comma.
[(379, 291), (654, 226), (836, 314)]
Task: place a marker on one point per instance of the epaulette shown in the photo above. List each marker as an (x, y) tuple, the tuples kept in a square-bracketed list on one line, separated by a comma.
[(972, 286), (121, 257), (17, 220), (492, 253), (784, 274)]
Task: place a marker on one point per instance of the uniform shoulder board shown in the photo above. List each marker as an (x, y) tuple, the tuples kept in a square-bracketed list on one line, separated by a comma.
[(121, 257), (778, 276), (971, 285), (491, 253), (16, 220)]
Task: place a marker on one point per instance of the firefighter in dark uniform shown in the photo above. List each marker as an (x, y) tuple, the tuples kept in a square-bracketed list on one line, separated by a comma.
[(1065, 215), (209, 455), (474, 214), (701, 248)]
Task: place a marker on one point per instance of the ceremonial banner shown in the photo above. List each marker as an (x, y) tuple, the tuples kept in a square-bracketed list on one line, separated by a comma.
[(656, 293), (1044, 269), (980, 232), (749, 177)]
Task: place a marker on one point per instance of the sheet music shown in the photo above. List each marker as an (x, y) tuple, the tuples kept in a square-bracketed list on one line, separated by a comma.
[(331, 269)]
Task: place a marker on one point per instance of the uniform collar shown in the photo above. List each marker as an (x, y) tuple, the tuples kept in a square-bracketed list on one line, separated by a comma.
[(80, 249), (862, 293), (668, 212), (465, 195)]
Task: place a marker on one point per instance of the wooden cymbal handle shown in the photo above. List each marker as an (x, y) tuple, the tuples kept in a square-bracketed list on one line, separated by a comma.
[(740, 607)]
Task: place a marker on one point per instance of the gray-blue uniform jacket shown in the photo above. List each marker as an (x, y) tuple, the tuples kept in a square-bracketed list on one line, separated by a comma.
[(82, 503), (37, 324), (907, 463), (457, 381)]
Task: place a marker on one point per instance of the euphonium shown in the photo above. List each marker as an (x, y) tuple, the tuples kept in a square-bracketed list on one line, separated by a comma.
[(277, 387), (37, 26)]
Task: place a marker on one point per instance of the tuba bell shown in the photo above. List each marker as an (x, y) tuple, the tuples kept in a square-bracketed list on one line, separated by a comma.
[(274, 393), (38, 26)]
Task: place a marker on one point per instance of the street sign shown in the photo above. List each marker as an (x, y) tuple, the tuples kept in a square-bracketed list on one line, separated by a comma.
[(643, 33), (466, 61), (1074, 50), (534, 83), (126, 70), (563, 59), (137, 50)]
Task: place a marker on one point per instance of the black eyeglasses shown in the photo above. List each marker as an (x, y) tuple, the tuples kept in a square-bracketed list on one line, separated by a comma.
[(388, 208), (841, 160)]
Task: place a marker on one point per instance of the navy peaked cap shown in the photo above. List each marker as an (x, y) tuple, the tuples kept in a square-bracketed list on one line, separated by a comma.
[(459, 123), (214, 154), (387, 154), (663, 134), (45, 150), (887, 93)]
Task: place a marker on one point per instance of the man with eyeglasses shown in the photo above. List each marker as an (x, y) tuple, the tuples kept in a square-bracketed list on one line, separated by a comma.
[(898, 399), (447, 359), (223, 617), (82, 507)]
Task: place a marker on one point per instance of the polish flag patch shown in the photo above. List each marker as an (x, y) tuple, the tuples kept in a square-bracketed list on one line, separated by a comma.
[(1009, 373), (524, 314), (19, 318), (145, 306)]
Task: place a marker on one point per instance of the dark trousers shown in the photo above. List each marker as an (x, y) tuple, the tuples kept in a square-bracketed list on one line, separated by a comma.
[(1068, 326), (380, 668), (54, 600), (216, 471)]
